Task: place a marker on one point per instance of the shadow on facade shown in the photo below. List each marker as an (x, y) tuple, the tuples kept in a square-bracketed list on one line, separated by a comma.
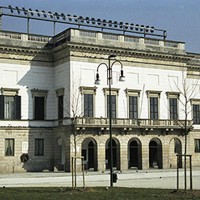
[(39, 143)]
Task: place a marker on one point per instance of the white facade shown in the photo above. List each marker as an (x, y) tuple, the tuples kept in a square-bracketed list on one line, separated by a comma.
[(152, 68)]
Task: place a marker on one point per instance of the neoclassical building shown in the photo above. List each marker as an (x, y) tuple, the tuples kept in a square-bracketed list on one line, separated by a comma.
[(50, 108)]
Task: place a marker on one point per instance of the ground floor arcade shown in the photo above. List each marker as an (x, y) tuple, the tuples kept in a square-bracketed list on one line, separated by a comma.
[(129, 151), (52, 149)]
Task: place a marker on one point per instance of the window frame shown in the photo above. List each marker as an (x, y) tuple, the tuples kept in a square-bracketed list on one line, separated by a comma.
[(173, 108), (196, 148), (114, 92), (153, 95), (174, 96), (196, 103), (7, 93), (114, 106), (196, 115), (87, 91), (154, 108), (88, 108), (60, 106), (12, 147), (39, 93), (135, 94), (39, 152)]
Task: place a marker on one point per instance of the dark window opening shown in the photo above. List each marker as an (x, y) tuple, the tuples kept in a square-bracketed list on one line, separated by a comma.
[(39, 147), (88, 105), (39, 108), (196, 114), (113, 105), (60, 107), (133, 107), (153, 107), (173, 108)]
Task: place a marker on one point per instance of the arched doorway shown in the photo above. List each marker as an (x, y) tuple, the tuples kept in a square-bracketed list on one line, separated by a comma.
[(89, 152), (178, 150), (116, 154), (175, 148), (155, 154), (135, 154)]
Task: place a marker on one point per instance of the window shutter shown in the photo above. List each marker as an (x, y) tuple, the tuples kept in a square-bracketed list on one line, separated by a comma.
[(1, 107), (17, 107)]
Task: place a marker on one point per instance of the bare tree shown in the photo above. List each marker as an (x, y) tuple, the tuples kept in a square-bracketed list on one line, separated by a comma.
[(188, 90), (72, 107)]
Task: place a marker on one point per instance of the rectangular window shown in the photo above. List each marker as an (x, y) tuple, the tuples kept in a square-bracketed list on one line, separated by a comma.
[(60, 107), (39, 147), (196, 113), (173, 108), (10, 107), (153, 107), (88, 105), (197, 145), (133, 107), (113, 105), (39, 108), (9, 147)]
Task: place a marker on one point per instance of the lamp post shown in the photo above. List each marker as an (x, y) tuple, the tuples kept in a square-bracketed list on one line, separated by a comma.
[(97, 82)]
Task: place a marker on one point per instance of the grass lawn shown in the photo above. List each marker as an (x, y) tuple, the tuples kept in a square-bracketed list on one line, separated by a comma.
[(97, 193)]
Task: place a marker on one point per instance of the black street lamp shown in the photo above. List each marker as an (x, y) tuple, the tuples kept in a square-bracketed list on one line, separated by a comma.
[(97, 82)]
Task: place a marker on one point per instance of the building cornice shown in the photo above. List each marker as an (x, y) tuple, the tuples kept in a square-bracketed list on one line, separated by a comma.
[(25, 53), (91, 50)]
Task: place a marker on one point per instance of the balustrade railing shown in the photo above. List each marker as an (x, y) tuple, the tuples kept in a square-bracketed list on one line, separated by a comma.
[(99, 122), (162, 123)]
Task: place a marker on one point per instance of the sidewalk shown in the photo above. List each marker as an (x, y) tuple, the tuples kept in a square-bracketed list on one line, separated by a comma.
[(165, 179)]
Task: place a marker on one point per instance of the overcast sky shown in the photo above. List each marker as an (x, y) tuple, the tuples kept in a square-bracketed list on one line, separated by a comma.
[(181, 18)]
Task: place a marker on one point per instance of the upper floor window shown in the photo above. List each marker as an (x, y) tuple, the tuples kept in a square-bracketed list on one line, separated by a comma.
[(9, 147), (88, 105), (111, 102), (196, 111), (133, 96), (113, 106), (10, 104), (60, 107), (60, 97), (173, 108), (88, 100), (153, 97), (153, 107), (39, 104), (133, 107), (173, 104)]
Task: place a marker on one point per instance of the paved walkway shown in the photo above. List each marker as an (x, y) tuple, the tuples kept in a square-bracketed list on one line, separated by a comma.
[(136, 179)]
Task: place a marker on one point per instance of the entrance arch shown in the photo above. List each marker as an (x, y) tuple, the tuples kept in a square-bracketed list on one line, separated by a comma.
[(116, 154), (155, 154), (175, 147), (89, 152), (134, 154)]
